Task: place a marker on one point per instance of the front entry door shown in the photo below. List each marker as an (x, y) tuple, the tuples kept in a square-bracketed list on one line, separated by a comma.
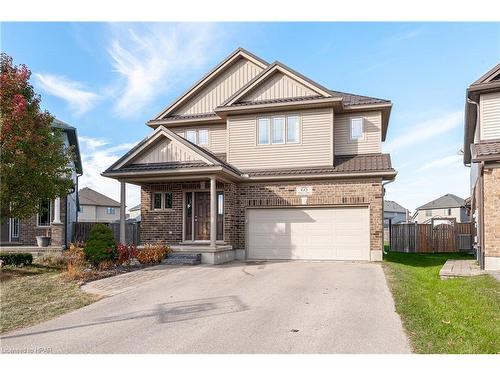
[(202, 216)]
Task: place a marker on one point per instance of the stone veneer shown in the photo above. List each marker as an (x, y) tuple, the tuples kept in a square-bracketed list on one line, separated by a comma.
[(492, 217), (166, 225)]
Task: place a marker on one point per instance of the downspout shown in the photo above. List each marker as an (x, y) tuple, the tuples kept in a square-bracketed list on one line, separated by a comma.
[(383, 196)]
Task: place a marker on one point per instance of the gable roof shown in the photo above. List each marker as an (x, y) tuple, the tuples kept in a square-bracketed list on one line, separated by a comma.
[(205, 158), (391, 206), (136, 208), (193, 90), (90, 197), (489, 82), (73, 141), (446, 201), (266, 73)]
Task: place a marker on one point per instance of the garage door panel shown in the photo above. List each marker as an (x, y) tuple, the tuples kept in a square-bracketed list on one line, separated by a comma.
[(312, 233)]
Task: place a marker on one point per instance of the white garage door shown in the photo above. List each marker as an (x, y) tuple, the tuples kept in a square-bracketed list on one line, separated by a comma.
[(308, 233)]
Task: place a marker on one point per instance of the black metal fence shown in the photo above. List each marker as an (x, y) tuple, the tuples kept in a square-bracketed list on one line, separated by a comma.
[(81, 231)]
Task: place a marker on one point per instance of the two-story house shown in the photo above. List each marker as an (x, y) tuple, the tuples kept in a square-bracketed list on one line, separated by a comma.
[(257, 161), (482, 154), (448, 206), (56, 216), (97, 208)]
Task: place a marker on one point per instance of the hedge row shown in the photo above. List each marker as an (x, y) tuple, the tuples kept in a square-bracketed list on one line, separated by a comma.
[(16, 258)]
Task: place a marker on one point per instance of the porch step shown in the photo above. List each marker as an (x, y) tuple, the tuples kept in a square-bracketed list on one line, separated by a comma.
[(182, 258)]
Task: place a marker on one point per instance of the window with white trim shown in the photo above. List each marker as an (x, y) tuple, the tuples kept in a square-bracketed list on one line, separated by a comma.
[(428, 213), (197, 136), (263, 131), (44, 216), (278, 130), (110, 210), (357, 131)]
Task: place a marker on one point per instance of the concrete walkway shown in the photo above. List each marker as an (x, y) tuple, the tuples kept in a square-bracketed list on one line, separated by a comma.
[(460, 268), (280, 307)]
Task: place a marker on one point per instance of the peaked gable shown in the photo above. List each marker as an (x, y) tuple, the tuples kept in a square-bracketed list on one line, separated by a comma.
[(278, 82), (220, 83)]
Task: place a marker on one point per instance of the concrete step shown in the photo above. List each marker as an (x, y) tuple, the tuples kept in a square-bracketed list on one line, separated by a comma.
[(182, 258)]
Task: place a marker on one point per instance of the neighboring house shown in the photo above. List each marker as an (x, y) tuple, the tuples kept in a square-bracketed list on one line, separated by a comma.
[(97, 208), (135, 213), (59, 214), (257, 161), (448, 206), (394, 213), (482, 154)]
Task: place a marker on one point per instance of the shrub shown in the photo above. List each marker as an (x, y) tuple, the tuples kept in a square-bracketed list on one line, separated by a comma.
[(101, 245), (51, 260), (17, 259), (105, 265), (152, 253), (125, 253), (75, 262)]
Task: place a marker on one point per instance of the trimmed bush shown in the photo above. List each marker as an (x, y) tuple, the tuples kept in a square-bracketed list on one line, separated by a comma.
[(16, 259), (101, 245), (152, 253)]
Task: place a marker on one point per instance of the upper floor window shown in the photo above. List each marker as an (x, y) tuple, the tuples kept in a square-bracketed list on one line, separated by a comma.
[(110, 210), (448, 210), (198, 137), (357, 131), (44, 216), (278, 130), (428, 213)]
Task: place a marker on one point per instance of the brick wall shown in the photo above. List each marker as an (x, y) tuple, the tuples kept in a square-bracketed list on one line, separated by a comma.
[(328, 193), (29, 228), (166, 225), (492, 212)]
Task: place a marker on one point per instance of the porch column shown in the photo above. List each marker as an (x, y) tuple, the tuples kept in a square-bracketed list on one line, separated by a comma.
[(57, 211), (122, 212), (213, 212)]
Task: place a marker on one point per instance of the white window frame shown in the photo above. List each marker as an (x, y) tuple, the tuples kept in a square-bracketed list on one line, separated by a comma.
[(13, 225), (270, 130), (299, 127), (363, 133), (283, 118), (197, 136), (164, 196), (110, 210), (50, 217), (428, 213)]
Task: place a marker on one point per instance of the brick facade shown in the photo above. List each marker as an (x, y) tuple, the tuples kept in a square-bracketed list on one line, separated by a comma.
[(492, 212), (29, 229), (166, 225)]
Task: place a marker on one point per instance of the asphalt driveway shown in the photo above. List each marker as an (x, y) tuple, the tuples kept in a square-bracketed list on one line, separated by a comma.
[(279, 307)]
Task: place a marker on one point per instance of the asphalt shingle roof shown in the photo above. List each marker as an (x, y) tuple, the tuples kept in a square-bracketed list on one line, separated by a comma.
[(485, 149), (446, 201), (391, 206), (90, 197)]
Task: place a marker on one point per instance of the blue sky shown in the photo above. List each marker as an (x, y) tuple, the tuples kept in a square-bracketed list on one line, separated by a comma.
[(108, 79)]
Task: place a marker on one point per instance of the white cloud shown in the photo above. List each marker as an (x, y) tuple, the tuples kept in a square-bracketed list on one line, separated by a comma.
[(97, 156), (78, 98), (153, 58), (425, 130), (442, 162)]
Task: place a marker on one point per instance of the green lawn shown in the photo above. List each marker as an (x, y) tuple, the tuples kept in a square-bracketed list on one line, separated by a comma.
[(36, 293), (460, 315)]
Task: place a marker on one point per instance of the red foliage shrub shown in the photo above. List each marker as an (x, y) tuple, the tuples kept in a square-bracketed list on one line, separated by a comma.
[(125, 253)]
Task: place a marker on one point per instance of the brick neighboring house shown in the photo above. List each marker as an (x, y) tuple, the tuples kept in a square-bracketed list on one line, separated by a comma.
[(256, 161), (97, 208), (59, 214), (482, 155)]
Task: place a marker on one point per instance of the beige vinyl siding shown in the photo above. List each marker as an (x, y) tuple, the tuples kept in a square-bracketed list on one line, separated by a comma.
[(344, 145), (97, 214), (216, 135), (314, 149), (456, 212), (164, 151), (221, 88), (490, 116), (279, 86)]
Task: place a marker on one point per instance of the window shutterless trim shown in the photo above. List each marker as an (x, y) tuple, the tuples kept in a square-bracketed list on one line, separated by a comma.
[(268, 131), (299, 127), (153, 200), (283, 126), (362, 138)]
